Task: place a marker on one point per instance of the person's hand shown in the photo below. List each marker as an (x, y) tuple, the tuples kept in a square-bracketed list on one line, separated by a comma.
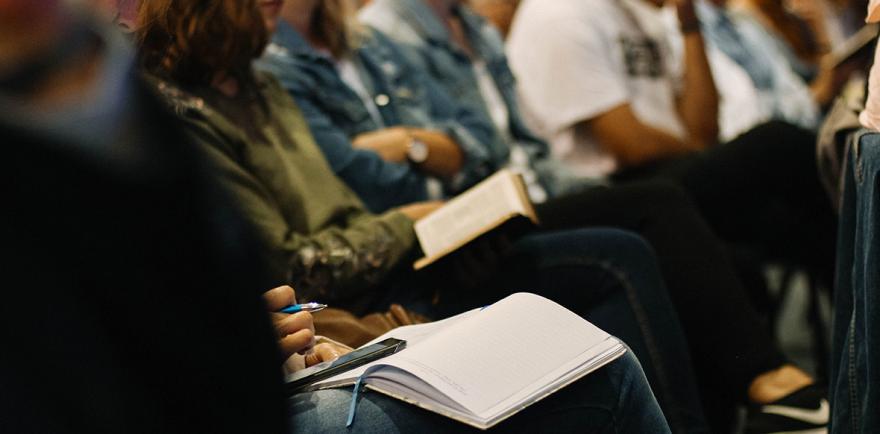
[(475, 264), (326, 352), (479, 261), (390, 143), (296, 332), (420, 210)]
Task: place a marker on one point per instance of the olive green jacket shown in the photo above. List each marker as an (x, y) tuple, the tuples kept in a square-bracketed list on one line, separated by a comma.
[(320, 233)]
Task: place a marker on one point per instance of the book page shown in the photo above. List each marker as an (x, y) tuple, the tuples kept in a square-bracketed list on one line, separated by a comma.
[(490, 202), (511, 346), (413, 335)]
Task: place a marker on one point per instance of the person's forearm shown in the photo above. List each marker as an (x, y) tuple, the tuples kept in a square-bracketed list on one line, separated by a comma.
[(698, 102), (445, 157)]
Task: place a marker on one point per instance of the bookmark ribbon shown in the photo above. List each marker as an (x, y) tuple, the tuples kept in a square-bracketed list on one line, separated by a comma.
[(352, 409)]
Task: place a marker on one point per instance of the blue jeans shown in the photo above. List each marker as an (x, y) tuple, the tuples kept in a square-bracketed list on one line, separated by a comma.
[(855, 363), (611, 278), (614, 399)]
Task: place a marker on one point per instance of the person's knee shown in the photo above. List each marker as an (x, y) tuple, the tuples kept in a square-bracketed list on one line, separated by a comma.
[(661, 195), (782, 135)]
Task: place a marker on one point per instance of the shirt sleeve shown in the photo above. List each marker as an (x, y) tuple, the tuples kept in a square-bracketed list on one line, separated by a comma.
[(570, 74), (381, 185), (336, 263), (468, 129)]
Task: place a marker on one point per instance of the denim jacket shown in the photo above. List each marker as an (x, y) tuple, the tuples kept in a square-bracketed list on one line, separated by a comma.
[(426, 41), (404, 96)]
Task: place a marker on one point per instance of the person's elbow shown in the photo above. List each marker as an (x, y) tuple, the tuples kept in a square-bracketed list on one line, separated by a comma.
[(705, 136)]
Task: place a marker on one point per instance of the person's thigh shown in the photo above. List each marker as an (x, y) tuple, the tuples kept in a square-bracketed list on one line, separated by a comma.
[(855, 397), (611, 278), (613, 399), (753, 189)]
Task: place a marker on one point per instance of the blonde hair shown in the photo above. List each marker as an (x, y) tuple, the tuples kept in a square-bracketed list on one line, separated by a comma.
[(335, 26)]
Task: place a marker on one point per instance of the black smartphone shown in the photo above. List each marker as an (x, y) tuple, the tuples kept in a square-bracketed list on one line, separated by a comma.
[(322, 371)]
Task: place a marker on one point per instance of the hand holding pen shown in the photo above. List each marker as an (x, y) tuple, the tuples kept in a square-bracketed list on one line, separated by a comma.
[(296, 331), (305, 307)]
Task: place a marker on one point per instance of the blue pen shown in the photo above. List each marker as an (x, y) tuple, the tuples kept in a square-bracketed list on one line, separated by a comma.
[(305, 307)]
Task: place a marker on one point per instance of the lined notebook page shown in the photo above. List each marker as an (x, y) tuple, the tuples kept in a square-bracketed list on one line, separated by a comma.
[(531, 339), (413, 335)]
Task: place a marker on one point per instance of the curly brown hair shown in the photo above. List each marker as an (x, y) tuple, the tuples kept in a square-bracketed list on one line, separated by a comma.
[(192, 41)]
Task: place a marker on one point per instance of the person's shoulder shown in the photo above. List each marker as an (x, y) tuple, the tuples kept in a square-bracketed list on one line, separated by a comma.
[(378, 11), (564, 10), (383, 16), (181, 102), (562, 18)]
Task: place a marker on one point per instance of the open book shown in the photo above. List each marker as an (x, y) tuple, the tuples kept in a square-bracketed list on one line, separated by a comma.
[(485, 365), (488, 205)]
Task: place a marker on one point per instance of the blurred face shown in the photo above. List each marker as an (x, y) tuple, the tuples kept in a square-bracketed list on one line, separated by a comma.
[(26, 27), (271, 10)]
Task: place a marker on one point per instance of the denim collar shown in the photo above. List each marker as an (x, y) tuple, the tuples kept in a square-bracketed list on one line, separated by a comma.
[(711, 15), (425, 22), (295, 44)]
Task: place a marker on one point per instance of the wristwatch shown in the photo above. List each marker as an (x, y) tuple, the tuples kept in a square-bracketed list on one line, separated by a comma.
[(417, 151)]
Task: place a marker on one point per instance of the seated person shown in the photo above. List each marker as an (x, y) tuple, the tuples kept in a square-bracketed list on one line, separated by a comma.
[(410, 18), (125, 338), (803, 40), (636, 118), (736, 43), (614, 399), (321, 237), (382, 121), (854, 342), (129, 282)]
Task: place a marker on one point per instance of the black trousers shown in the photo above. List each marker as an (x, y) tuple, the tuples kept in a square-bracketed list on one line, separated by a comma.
[(760, 190), (727, 338)]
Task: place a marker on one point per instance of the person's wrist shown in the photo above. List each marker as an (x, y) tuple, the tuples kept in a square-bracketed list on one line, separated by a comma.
[(416, 149)]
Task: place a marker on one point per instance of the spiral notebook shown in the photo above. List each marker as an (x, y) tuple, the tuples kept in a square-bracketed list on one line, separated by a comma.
[(484, 366)]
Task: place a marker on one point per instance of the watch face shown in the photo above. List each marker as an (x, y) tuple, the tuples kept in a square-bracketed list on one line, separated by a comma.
[(418, 151)]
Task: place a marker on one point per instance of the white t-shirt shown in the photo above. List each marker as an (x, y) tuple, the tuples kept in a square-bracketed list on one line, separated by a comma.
[(350, 75), (577, 59), (519, 159)]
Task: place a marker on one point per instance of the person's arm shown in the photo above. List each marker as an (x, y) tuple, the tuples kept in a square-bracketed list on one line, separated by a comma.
[(381, 184), (335, 263), (433, 112), (444, 160), (632, 143), (698, 100), (589, 92)]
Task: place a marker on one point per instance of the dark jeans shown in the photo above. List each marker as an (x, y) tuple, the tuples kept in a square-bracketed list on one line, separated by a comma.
[(762, 190), (728, 342), (607, 276), (614, 399), (855, 363)]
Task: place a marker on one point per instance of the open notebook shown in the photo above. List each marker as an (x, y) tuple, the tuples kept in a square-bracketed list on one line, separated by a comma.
[(500, 199), (485, 365)]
